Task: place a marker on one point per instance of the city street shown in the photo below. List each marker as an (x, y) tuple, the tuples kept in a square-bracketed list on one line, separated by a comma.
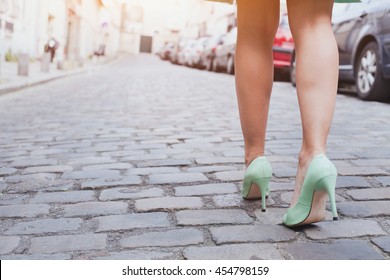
[(142, 159)]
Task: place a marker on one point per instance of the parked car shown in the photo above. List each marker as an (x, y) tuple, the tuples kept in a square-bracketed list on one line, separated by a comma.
[(177, 55), (194, 59), (208, 54), (283, 49), (184, 54), (165, 51), (224, 53), (362, 31)]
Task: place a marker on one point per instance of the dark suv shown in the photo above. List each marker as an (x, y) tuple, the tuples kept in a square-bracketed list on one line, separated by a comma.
[(362, 32)]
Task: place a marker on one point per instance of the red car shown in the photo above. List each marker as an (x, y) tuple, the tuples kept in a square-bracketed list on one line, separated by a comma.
[(283, 48)]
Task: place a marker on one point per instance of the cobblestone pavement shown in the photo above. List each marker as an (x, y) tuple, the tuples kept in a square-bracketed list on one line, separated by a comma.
[(144, 160)]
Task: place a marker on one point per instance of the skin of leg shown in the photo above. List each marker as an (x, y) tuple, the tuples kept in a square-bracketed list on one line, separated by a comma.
[(317, 77), (257, 23)]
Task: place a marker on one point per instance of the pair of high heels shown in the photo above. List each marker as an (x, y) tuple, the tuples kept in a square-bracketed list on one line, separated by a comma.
[(320, 176)]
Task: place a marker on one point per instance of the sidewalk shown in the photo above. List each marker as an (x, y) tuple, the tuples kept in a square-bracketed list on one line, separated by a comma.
[(10, 80)]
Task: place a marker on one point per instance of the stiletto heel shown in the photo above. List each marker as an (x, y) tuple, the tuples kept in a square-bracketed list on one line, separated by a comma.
[(259, 173), (321, 176)]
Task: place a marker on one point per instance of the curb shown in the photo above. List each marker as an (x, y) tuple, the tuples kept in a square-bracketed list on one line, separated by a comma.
[(26, 84)]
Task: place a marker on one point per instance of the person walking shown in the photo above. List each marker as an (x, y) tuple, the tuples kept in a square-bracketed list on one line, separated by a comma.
[(310, 23)]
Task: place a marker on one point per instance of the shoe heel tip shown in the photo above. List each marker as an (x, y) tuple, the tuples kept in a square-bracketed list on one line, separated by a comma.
[(335, 218), (262, 210)]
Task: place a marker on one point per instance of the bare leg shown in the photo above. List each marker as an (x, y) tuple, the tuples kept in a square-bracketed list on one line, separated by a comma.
[(257, 24), (317, 75)]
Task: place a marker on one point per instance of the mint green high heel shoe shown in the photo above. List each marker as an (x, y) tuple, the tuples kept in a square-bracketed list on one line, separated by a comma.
[(321, 176), (258, 173)]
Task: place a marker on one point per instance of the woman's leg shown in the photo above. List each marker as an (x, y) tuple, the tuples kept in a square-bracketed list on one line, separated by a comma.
[(257, 24), (317, 76)]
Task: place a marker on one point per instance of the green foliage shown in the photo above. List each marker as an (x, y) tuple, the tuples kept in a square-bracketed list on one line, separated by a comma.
[(10, 57)]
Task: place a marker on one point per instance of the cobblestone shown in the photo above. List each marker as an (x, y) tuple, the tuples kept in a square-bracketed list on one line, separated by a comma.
[(67, 243), (364, 208), (138, 255), (257, 233), (166, 203), (233, 252), (206, 217), (44, 226), (177, 178), (48, 169), (370, 194), (112, 182), (335, 250), (8, 244), (95, 209), (206, 189), (128, 193), (172, 238), (344, 229), (131, 221), (24, 210), (7, 171), (63, 197), (383, 243)]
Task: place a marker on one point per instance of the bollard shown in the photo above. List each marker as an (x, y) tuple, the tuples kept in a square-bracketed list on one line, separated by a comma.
[(45, 62), (23, 64)]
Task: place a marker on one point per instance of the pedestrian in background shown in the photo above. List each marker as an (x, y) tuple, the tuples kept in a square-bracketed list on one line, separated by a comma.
[(316, 79)]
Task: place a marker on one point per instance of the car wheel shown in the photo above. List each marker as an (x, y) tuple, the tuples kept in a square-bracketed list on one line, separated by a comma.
[(369, 80), (293, 71), (215, 65), (209, 65), (230, 65)]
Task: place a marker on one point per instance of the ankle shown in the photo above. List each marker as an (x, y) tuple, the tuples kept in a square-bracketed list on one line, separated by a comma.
[(249, 157), (305, 156)]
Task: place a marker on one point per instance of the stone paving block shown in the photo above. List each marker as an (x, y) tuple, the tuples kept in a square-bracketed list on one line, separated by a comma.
[(131, 221), (204, 140), (361, 171), (383, 243), (206, 189), (284, 172), (47, 169), (235, 152), (210, 169), (370, 194), (138, 255), (90, 174), (95, 209), (171, 238), (129, 193), (219, 160), (89, 160), (234, 252), (236, 200), (63, 197), (109, 166), (24, 210), (166, 203), (3, 186), (105, 183), (352, 181), (164, 162), (153, 170), (281, 186), (371, 162), (334, 250), (31, 177), (9, 199), (383, 180), (230, 175), (7, 171), (256, 233), (28, 162), (44, 226), (344, 229), (58, 256), (145, 157), (67, 243), (177, 178), (273, 216), (207, 217), (8, 244), (193, 156), (364, 208), (287, 197)]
